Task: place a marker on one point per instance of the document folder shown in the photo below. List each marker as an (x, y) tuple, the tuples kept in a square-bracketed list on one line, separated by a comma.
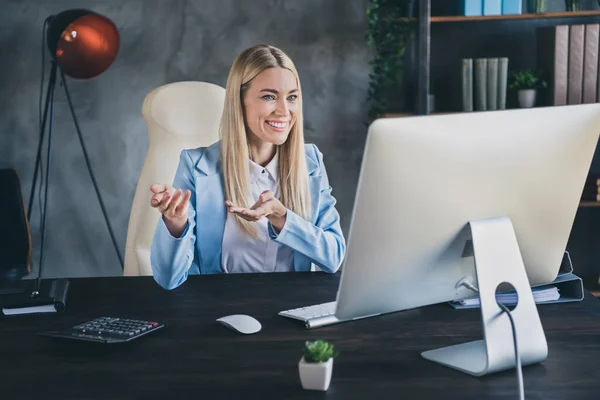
[(569, 285)]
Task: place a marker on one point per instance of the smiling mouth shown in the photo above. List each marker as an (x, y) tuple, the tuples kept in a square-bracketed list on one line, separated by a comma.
[(277, 125)]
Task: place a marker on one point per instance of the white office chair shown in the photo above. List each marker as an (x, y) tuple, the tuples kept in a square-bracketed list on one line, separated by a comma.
[(179, 116)]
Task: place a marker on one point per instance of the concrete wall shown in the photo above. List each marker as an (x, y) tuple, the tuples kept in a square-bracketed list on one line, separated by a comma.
[(165, 41)]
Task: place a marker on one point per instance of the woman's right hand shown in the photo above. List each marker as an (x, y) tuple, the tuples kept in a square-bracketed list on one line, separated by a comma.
[(172, 205)]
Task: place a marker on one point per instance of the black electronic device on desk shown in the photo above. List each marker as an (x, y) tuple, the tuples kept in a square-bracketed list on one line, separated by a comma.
[(33, 296), (107, 330)]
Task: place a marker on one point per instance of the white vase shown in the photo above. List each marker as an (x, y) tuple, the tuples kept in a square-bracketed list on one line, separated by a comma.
[(315, 376), (527, 98)]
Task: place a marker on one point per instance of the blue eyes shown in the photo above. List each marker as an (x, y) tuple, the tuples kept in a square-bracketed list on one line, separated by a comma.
[(271, 97)]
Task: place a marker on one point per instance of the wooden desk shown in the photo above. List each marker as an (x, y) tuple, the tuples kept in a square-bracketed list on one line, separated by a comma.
[(194, 357)]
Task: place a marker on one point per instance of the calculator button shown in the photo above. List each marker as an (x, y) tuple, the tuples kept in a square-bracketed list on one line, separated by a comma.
[(109, 330)]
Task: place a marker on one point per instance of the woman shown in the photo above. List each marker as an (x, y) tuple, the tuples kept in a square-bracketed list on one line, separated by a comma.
[(259, 199)]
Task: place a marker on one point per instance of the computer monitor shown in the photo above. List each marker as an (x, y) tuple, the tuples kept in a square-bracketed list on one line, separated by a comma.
[(424, 178)]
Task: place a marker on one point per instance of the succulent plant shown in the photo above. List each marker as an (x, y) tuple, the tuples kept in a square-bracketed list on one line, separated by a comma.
[(318, 351)]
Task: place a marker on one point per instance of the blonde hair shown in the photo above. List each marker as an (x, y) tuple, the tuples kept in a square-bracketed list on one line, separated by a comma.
[(293, 175)]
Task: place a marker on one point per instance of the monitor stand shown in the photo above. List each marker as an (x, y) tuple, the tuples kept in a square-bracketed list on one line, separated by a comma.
[(497, 260)]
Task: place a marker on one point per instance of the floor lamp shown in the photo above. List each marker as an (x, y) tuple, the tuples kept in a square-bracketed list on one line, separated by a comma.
[(82, 45)]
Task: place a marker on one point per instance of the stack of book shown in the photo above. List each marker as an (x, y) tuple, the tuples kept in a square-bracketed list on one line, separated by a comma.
[(484, 83), (569, 56), (490, 7), (591, 189)]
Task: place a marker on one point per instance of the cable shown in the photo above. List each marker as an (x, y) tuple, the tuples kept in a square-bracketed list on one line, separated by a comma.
[(41, 167), (517, 358), (470, 286)]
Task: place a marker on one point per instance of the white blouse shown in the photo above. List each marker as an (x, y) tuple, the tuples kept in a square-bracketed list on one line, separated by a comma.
[(240, 252)]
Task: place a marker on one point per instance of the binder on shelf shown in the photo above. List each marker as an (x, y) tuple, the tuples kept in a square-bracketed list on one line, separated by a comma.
[(471, 8), (492, 84), (576, 48), (480, 84), (590, 63), (566, 288), (502, 82), (492, 7), (467, 84), (553, 58), (512, 7)]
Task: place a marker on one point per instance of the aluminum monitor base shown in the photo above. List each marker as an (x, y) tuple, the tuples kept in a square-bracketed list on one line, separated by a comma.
[(497, 260)]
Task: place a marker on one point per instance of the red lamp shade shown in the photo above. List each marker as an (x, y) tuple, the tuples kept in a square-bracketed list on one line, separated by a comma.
[(84, 43)]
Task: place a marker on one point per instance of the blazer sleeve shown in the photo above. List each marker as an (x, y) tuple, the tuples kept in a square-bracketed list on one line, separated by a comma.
[(322, 242), (170, 257)]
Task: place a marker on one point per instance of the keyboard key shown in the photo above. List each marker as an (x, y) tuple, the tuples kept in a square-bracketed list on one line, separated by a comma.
[(310, 312)]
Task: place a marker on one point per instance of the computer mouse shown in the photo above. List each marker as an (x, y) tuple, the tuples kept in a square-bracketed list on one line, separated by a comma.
[(241, 323)]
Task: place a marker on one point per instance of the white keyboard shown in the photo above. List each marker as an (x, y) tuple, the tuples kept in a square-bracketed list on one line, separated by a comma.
[(313, 316)]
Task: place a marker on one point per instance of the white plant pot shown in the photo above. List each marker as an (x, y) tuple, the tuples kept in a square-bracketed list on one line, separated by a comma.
[(315, 376), (527, 98)]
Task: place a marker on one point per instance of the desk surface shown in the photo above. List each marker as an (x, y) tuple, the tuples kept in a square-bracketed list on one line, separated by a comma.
[(194, 357)]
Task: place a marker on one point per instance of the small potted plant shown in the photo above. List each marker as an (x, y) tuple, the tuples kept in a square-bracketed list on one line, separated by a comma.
[(316, 365), (527, 82)]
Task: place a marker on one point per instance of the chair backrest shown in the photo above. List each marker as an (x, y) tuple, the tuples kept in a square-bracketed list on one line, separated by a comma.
[(15, 236), (180, 115)]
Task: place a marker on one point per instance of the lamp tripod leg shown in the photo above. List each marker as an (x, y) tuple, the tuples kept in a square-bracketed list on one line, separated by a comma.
[(49, 91), (43, 230), (89, 167)]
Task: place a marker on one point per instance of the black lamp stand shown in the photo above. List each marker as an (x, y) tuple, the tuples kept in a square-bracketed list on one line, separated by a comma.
[(48, 116)]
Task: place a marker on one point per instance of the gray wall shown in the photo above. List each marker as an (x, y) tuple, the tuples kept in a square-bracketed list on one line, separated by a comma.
[(164, 41)]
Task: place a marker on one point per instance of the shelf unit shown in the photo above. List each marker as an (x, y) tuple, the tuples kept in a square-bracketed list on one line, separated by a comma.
[(424, 21), (508, 17), (589, 204), (561, 14)]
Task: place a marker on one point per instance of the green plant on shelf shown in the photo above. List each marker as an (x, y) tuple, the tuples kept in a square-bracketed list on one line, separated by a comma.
[(388, 32), (572, 5), (539, 6), (318, 351), (527, 79)]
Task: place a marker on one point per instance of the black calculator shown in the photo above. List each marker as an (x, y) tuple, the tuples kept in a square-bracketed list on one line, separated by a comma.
[(107, 330)]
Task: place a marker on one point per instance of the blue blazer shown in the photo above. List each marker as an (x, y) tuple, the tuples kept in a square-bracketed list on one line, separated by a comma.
[(198, 250)]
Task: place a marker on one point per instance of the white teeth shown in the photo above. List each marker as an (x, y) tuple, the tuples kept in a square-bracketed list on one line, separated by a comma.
[(277, 124)]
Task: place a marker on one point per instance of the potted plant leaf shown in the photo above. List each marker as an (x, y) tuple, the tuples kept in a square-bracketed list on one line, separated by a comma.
[(538, 6), (572, 5), (316, 365), (527, 82)]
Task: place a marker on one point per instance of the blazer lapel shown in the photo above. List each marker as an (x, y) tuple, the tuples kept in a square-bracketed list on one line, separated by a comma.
[(301, 262), (314, 184), (210, 216), (211, 212)]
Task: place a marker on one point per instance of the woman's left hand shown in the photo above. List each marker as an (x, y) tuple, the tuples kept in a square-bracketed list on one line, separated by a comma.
[(267, 206)]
